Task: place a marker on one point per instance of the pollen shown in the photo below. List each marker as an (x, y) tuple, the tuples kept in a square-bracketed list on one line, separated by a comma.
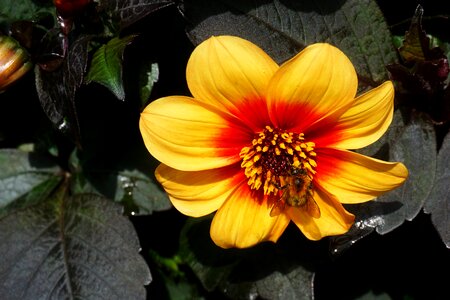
[(274, 158)]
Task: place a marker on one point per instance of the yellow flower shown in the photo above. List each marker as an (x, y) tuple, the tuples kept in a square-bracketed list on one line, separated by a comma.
[(265, 144)]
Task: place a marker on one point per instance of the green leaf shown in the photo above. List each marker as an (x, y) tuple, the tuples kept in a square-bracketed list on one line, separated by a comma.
[(175, 281), (12, 10), (149, 76), (267, 271), (282, 28), (78, 247), (438, 203), (23, 172), (180, 289), (106, 67)]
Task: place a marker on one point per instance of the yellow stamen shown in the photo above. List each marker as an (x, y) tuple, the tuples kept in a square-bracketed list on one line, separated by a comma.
[(279, 165)]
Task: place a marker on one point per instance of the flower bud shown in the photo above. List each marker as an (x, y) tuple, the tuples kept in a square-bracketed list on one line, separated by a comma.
[(69, 8), (14, 61)]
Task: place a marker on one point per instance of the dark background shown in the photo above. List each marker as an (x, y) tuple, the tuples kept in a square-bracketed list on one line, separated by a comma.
[(409, 263)]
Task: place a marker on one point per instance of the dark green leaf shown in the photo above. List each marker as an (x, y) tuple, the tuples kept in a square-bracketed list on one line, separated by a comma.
[(380, 148), (211, 264), (57, 89), (375, 295), (21, 172), (278, 278), (176, 281), (282, 28), (266, 271), (416, 148), (370, 215), (139, 192), (12, 10), (106, 66), (179, 289), (38, 194), (414, 144), (130, 11), (364, 225), (77, 247), (127, 181), (438, 203)]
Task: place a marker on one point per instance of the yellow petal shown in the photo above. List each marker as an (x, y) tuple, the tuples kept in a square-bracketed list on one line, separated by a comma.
[(244, 220), (355, 178), (231, 73), (334, 219), (318, 83), (187, 136), (365, 122), (198, 193)]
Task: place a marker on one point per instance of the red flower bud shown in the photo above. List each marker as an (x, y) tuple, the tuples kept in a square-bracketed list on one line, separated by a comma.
[(69, 8)]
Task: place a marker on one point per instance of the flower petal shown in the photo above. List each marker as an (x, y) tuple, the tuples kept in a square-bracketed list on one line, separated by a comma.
[(188, 136), (198, 193), (364, 123), (333, 220), (244, 220), (316, 84), (355, 178), (232, 74)]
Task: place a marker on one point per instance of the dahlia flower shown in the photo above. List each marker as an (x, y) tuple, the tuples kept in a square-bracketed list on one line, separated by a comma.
[(264, 145)]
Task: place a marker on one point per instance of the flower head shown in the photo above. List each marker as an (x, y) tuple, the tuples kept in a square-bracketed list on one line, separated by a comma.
[(265, 144)]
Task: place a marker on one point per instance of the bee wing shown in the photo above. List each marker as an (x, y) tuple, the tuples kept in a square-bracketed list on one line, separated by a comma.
[(312, 208), (278, 207)]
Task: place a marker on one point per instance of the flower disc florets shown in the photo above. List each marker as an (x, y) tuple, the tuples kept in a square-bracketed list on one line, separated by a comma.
[(275, 159)]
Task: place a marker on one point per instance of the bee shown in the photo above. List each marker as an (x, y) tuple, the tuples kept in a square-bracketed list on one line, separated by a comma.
[(296, 192)]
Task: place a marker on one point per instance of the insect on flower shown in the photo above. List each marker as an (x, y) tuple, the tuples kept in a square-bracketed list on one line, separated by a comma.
[(297, 192)]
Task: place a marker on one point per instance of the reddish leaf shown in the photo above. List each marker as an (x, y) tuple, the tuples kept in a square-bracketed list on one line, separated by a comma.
[(423, 73), (130, 11), (57, 89)]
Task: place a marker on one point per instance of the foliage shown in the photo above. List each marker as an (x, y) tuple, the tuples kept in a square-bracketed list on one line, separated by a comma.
[(75, 176)]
